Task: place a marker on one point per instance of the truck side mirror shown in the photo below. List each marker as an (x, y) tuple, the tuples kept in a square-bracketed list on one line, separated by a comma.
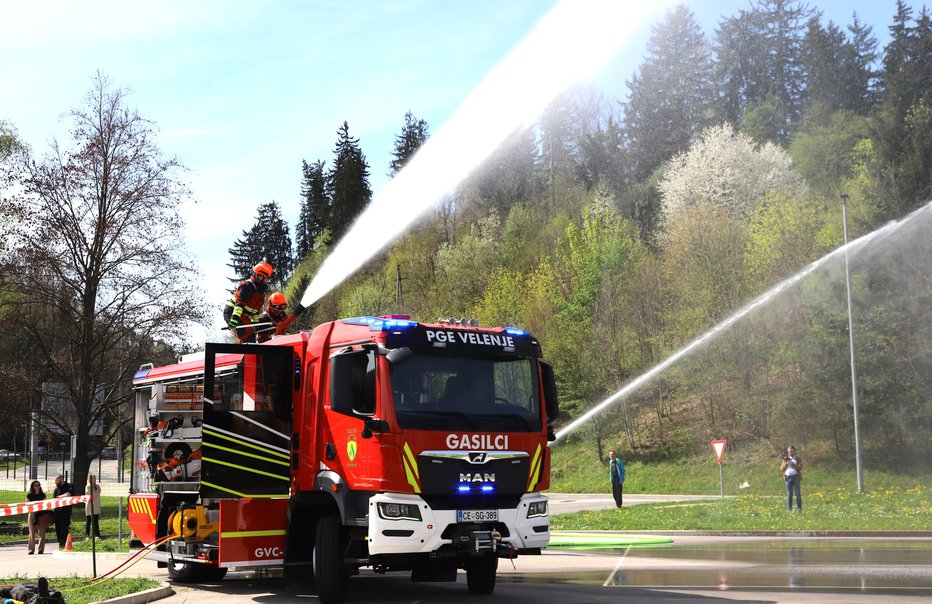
[(397, 356), (352, 382), (550, 392)]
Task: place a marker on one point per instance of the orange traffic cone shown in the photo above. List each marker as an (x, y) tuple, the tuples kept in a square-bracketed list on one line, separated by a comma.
[(68, 547)]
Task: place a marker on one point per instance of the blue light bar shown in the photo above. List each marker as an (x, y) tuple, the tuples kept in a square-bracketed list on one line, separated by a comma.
[(379, 324), (486, 488), (464, 488), (514, 331), (388, 324)]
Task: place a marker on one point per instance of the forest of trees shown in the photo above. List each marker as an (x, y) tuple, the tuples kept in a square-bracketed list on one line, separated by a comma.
[(617, 230)]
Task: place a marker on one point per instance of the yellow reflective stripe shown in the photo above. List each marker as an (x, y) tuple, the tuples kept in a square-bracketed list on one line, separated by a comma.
[(245, 469), (241, 534), (141, 507), (411, 471), (237, 493), (535, 470), (246, 444), (411, 479), (411, 459), (254, 456)]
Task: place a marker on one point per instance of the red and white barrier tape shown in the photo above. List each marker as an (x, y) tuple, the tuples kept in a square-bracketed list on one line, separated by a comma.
[(15, 509)]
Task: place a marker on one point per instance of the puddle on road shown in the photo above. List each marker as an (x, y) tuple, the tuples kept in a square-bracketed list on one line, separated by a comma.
[(874, 565)]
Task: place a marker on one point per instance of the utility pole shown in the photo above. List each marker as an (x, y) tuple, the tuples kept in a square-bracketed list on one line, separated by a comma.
[(854, 371), (399, 296)]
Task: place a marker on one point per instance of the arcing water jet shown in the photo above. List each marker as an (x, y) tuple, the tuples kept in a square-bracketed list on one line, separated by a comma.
[(572, 41), (750, 307)]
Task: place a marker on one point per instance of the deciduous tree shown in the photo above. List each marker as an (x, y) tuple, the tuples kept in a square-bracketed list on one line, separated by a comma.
[(101, 255)]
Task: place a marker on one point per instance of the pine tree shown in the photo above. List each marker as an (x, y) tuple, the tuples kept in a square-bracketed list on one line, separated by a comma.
[(740, 65), (830, 66), (269, 241), (783, 29), (412, 136), (759, 62), (671, 96), (315, 208), (348, 183), (864, 77)]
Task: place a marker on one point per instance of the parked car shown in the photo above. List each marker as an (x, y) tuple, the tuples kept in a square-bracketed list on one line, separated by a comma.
[(108, 453)]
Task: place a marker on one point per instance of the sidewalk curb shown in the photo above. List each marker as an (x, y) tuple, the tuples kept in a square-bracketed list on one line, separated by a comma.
[(141, 597)]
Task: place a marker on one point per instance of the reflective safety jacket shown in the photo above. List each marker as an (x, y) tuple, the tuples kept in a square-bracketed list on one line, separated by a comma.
[(248, 299)]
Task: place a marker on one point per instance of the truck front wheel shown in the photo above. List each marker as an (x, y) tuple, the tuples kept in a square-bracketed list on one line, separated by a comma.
[(480, 575), (329, 569)]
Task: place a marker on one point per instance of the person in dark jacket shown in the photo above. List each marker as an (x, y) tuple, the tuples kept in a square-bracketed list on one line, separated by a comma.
[(616, 469), (39, 520), (245, 306), (63, 514)]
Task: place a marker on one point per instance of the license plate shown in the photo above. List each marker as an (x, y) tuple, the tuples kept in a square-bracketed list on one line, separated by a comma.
[(477, 515)]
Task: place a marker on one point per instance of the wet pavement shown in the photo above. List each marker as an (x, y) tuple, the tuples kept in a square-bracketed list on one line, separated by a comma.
[(691, 568), (728, 563)]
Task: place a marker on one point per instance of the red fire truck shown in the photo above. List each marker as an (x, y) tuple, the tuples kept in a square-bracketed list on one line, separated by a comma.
[(374, 442)]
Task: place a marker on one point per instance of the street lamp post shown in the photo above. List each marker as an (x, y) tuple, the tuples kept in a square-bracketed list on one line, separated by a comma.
[(854, 371)]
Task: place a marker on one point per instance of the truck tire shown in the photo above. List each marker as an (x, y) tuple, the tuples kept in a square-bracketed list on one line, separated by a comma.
[(329, 570), (181, 572), (480, 575)]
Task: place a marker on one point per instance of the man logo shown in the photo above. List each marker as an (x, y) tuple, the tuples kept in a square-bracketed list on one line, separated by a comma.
[(351, 448), (478, 457)]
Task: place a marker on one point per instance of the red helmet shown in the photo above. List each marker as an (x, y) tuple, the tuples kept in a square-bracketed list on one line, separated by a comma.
[(277, 302), (264, 269)]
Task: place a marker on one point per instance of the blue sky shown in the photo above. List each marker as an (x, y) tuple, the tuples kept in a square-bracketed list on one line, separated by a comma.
[(243, 91)]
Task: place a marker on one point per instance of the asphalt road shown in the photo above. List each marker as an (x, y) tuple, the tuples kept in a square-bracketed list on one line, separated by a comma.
[(693, 568)]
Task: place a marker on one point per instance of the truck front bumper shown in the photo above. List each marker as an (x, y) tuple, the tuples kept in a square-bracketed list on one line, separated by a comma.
[(439, 529)]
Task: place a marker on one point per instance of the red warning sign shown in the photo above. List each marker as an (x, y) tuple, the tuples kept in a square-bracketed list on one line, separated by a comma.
[(719, 447)]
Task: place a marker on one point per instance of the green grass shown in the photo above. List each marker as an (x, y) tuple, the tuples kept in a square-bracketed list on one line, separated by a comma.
[(831, 503), (575, 468), (841, 509), (109, 519), (78, 590)]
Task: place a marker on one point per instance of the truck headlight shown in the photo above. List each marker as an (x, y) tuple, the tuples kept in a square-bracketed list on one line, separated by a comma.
[(399, 511), (537, 508)]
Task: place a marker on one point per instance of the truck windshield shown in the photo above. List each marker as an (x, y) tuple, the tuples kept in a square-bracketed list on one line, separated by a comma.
[(454, 393)]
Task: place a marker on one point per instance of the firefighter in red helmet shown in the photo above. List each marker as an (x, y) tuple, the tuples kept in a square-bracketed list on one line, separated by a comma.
[(245, 306), (275, 314)]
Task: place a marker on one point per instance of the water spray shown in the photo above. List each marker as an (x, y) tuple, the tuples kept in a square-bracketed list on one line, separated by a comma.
[(750, 307), (570, 42)]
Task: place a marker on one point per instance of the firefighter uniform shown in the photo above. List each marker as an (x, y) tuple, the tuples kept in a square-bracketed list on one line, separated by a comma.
[(245, 306)]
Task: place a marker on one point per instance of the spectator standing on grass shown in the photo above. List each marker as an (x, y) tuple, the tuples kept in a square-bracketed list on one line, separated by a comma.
[(62, 514), (92, 507), (792, 468), (40, 520), (616, 472)]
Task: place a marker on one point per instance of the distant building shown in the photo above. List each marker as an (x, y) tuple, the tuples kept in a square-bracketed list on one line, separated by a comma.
[(57, 404)]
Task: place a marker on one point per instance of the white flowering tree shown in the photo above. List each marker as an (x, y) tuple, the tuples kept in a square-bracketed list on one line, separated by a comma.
[(727, 172)]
